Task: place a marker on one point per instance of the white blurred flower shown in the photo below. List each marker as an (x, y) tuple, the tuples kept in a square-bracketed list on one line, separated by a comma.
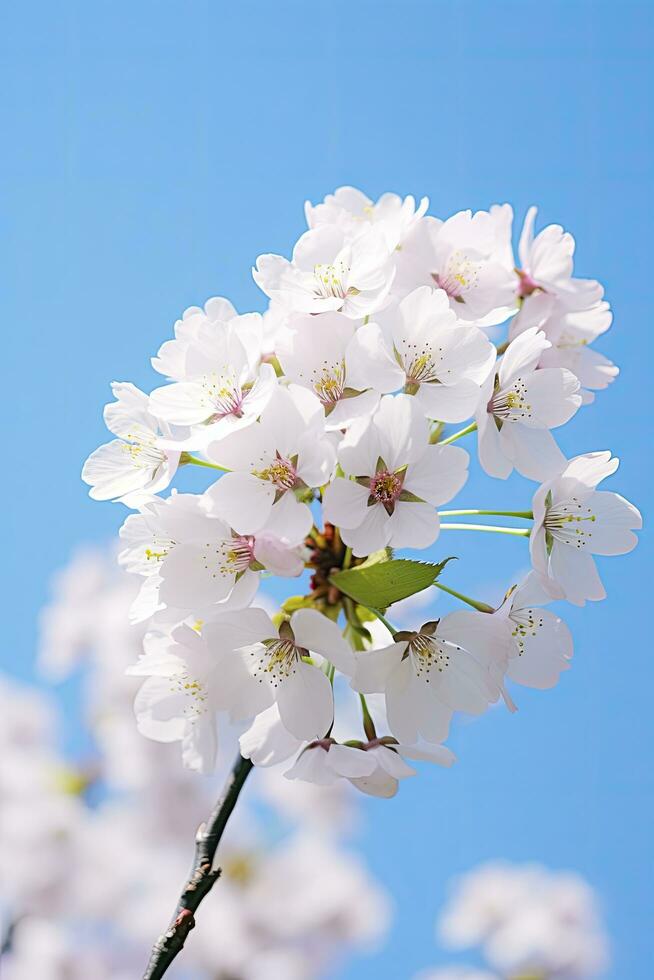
[(528, 920)]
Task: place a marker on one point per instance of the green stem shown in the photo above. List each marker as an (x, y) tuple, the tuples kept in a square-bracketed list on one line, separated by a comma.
[(457, 435), (368, 723), (391, 629), (436, 431), (347, 558), (187, 458), (516, 531), (527, 514), (480, 606)]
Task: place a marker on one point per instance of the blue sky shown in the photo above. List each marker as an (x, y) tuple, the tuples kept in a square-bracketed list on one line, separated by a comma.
[(153, 150)]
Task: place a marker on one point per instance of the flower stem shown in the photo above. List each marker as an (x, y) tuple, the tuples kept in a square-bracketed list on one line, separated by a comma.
[(480, 606), (517, 531), (368, 723), (436, 431), (347, 558), (391, 629), (188, 458), (526, 514), (457, 435), (203, 878)]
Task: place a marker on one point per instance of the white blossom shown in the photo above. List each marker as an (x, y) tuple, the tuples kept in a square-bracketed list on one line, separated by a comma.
[(453, 664), (529, 921), (398, 480), (424, 349), (573, 521), (519, 406), (220, 384), (287, 450), (354, 212), (134, 466), (466, 257), (330, 272)]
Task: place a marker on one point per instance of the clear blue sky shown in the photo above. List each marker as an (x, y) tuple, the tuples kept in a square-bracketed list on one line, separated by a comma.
[(152, 150)]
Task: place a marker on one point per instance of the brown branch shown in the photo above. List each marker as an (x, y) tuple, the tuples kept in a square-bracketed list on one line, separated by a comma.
[(203, 877)]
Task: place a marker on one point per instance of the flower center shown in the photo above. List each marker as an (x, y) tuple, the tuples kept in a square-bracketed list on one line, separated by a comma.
[(278, 660), (510, 404), (570, 522), (144, 455), (526, 285), (193, 690), (328, 280), (329, 383), (159, 549), (224, 395), (385, 488), (230, 557), (428, 655), (281, 473), (459, 276), (526, 622), (420, 365)]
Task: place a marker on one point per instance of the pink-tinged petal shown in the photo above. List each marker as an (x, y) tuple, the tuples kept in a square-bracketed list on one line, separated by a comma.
[(289, 519), (403, 430), (312, 767), (160, 713), (438, 474), (534, 452), (200, 745), (277, 557), (360, 448), (238, 691), (305, 702), (373, 667), (243, 501), (111, 472), (181, 403), (350, 762), (372, 534), (485, 637), (379, 784), (345, 503), (590, 468), (193, 576), (613, 510), (370, 362), (576, 573), (317, 633), (522, 355), (449, 403), (527, 235), (553, 397), (392, 763), (545, 649), (238, 629), (413, 525), (266, 742), (492, 455), (438, 754)]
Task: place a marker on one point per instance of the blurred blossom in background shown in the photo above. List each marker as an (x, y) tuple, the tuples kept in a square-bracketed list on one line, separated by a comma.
[(93, 848)]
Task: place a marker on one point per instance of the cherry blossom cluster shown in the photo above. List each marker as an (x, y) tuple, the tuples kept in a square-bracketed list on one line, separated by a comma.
[(531, 923), (324, 424), (93, 846)]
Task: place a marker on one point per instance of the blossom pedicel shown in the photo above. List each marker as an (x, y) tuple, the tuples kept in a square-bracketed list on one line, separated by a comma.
[(325, 424)]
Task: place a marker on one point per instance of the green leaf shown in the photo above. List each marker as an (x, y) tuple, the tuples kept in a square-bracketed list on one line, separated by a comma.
[(380, 584), (297, 602)]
